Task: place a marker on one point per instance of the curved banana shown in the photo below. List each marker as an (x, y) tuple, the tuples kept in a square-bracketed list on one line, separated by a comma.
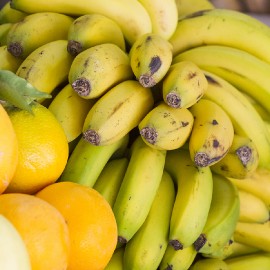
[(193, 198), (70, 110), (10, 15), (150, 59), (110, 179), (97, 69), (163, 15), (36, 30), (47, 67), (222, 27), (222, 217), (240, 249), (93, 29), (239, 109), (241, 160), (8, 61), (87, 161), (4, 29), (138, 189), (146, 248), (130, 15), (166, 128), (116, 261), (117, 112), (209, 264), (212, 133), (183, 85)]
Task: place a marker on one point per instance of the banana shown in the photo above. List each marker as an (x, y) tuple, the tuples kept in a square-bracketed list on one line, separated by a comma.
[(240, 249), (117, 112), (209, 264), (163, 15), (4, 29), (229, 60), (116, 261), (222, 217), (93, 29), (70, 110), (87, 161), (138, 189), (36, 30), (131, 16), (10, 15), (193, 199), (241, 160), (166, 128), (183, 85), (47, 67), (239, 109), (146, 248), (97, 69), (222, 27), (150, 58), (8, 61), (212, 133), (178, 259), (110, 179)]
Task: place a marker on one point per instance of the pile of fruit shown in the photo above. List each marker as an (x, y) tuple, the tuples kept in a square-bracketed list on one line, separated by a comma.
[(134, 135)]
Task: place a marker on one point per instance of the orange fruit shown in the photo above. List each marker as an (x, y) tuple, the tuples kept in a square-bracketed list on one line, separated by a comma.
[(43, 149), (8, 150), (90, 220), (42, 228)]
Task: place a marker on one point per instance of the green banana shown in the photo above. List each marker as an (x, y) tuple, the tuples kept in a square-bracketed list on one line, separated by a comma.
[(10, 15), (138, 189), (210, 264), (193, 199), (116, 261), (146, 248), (4, 29), (239, 249)]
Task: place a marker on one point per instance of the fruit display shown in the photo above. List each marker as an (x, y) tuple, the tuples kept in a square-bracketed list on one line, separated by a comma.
[(135, 134)]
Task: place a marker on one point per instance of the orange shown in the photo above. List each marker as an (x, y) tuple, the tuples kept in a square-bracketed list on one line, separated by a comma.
[(8, 150), (91, 223), (43, 149), (42, 228)]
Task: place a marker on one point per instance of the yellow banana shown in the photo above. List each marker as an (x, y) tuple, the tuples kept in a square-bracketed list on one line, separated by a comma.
[(240, 249), (212, 133), (70, 110), (209, 264), (98, 68), (163, 15), (4, 29), (130, 15), (93, 29), (87, 161), (117, 112), (8, 61), (116, 261), (47, 67), (165, 127), (146, 248), (10, 15), (138, 189), (241, 160), (150, 58), (183, 85), (36, 30), (110, 179), (193, 199)]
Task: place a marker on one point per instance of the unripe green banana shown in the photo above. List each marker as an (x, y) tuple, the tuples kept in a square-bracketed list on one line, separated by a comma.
[(146, 248), (138, 189), (10, 15), (183, 85), (209, 264), (93, 29), (239, 249), (110, 179), (117, 112), (212, 133), (150, 58), (8, 61), (4, 29), (165, 127), (116, 261)]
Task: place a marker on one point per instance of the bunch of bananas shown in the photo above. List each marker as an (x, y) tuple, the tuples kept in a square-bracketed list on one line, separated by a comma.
[(166, 107)]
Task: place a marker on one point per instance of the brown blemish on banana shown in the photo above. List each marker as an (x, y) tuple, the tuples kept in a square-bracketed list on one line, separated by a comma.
[(200, 242), (155, 64), (211, 80), (214, 122), (91, 136), (192, 75), (82, 86), (15, 48), (74, 47), (173, 100), (176, 244), (244, 153), (149, 134)]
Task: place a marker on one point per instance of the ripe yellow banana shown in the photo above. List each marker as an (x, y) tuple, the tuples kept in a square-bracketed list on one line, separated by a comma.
[(98, 68), (93, 29), (110, 179), (165, 127), (10, 15), (116, 261), (239, 249), (130, 15), (117, 112), (8, 61), (70, 110), (146, 248), (36, 30), (150, 59), (4, 29), (193, 199), (138, 189), (212, 133), (209, 264), (241, 160), (183, 85)]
